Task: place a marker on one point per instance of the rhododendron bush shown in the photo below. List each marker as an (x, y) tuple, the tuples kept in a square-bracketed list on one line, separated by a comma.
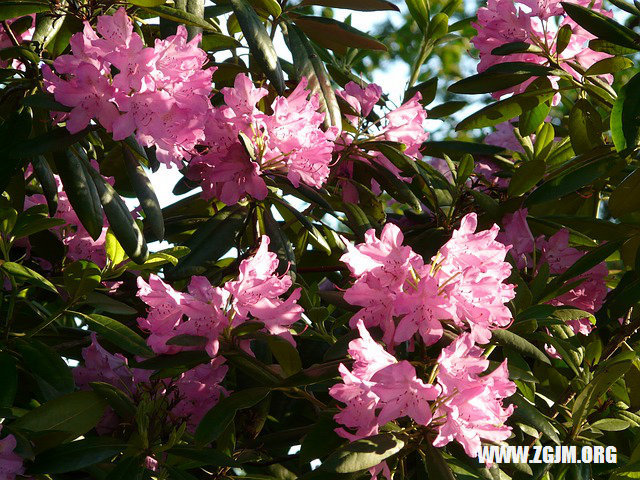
[(349, 280)]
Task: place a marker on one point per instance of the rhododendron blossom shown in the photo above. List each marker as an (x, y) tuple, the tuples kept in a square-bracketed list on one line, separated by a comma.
[(288, 142), (21, 36), (555, 251), (197, 390), (10, 462), (160, 93), (464, 283), (378, 381), (536, 23), (208, 311), (471, 408), (404, 125)]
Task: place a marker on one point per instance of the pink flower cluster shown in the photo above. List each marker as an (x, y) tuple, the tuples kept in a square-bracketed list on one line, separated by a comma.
[(209, 311), (556, 252), (80, 245), (405, 125), (160, 93), (380, 389), (537, 23), (196, 391), (289, 141), (464, 283), (10, 462), (471, 407)]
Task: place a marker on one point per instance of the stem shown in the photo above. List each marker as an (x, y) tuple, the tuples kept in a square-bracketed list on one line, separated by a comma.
[(425, 51), (12, 37)]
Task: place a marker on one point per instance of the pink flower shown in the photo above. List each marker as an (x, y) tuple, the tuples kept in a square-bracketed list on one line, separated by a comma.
[(10, 462), (405, 125), (471, 407), (423, 308), (403, 394), (362, 100), (472, 273), (199, 390), (258, 289), (516, 233), (160, 93), (506, 21), (378, 381), (21, 37), (290, 142)]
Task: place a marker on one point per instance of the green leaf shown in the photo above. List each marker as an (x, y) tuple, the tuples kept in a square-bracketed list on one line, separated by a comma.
[(25, 275), (626, 196), (335, 35), (204, 456), (563, 38), (456, 148), (499, 77), (361, 5), (505, 110), (46, 364), (602, 27), (218, 41), (220, 416), (113, 249), (81, 192), (28, 224), (8, 380), (77, 455), (525, 177), (532, 119), (436, 465), (585, 127), (180, 16), (270, 7), (609, 65), (315, 374), (124, 227), (116, 399), (186, 360), (81, 277), (519, 344), (55, 140), (515, 47), (446, 109), (116, 333), (188, 340), (144, 191), (533, 417), (260, 43), (611, 424), (13, 9), (428, 89), (148, 3), (309, 65), (362, 454), (43, 173), (465, 169), (605, 376), (419, 10), (286, 354), (570, 181), (75, 414), (130, 468), (210, 241), (625, 116)]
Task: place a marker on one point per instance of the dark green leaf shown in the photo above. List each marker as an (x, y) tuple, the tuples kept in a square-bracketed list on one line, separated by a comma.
[(603, 27), (11, 9), (585, 127), (505, 110), (519, 344), (77, 455), (526, 176), (8, 380), (180, 16), (144, 191), (335, 35), (116, 333), (116, 399), (81, 277), (362, 5), (217, 419), (532, 416), (260, 43), (124, 227), (362, 454), (75, 414), (26, 275), (626, 197), (625, 116)]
